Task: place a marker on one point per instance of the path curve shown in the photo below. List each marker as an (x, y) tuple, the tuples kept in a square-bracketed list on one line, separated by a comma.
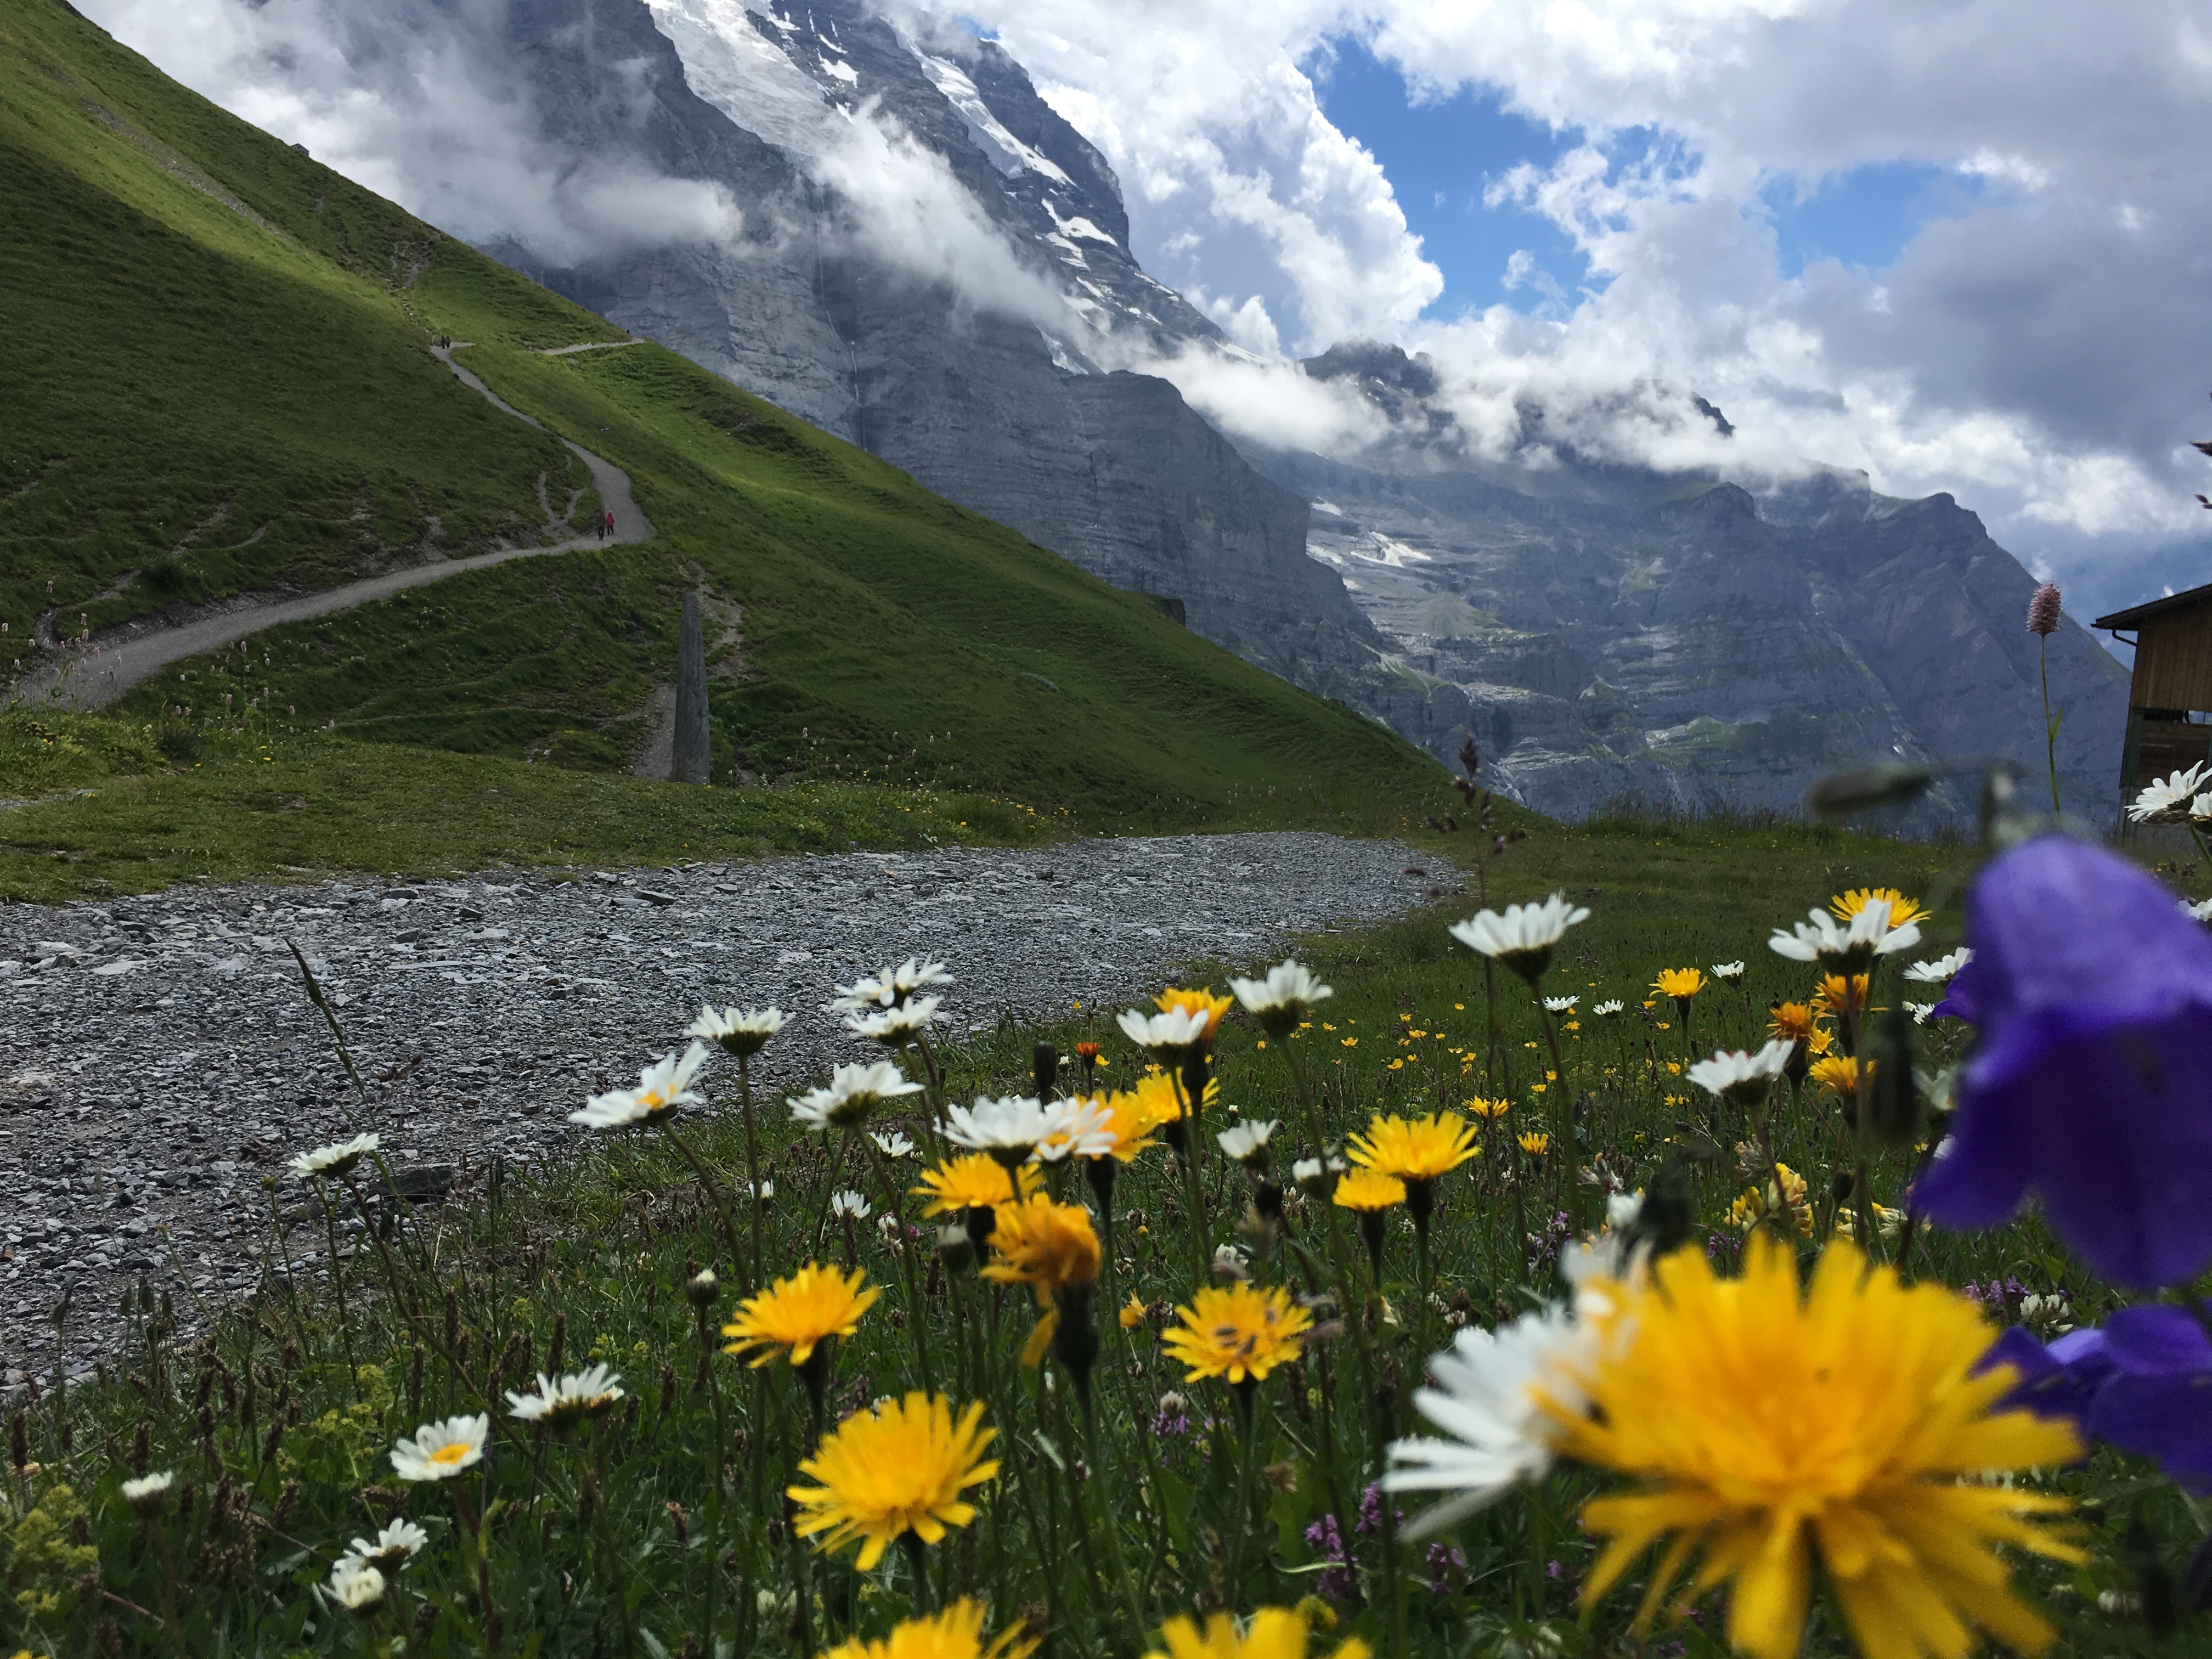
[(90, 678)]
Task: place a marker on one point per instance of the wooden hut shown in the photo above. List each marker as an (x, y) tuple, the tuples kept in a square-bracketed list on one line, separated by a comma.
[(2170, 700)]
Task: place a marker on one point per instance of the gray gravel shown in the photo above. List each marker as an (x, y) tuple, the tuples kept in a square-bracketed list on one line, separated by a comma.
[(158, 1056)]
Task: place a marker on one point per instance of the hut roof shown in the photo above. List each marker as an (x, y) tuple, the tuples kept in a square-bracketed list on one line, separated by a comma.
[(2134, 616)]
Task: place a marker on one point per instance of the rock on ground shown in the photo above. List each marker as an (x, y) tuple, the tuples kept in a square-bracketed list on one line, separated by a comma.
[(160, 1056)]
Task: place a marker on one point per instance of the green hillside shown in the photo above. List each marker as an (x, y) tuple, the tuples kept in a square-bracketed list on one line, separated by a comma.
[(217, 352)]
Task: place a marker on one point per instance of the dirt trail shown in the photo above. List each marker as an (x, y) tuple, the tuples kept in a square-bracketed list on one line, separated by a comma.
[(92, 676)]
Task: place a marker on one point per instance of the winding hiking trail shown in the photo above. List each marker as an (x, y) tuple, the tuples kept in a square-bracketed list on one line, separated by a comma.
[(90, 677)]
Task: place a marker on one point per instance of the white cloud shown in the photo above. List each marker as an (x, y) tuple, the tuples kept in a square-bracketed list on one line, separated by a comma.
[(396, 97), (2037, 349)]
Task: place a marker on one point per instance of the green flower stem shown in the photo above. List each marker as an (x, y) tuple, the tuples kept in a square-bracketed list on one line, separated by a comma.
[(1562, 1121), (917, 1313), (714, 1189), (752, 1176), (338, 1288)]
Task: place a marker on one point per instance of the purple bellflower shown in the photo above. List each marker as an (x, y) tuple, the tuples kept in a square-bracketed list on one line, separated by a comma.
[(2089, 1084), (2139, 1383), (2153, 1403)]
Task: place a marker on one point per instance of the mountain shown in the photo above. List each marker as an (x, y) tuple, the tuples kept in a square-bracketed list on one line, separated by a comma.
[(1599, 629), (919, 255), (872, 170), (222, 391), (1606, 630)]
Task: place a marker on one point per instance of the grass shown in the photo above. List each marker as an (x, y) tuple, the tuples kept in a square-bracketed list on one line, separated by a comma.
[(657, 1528), (172, 357)]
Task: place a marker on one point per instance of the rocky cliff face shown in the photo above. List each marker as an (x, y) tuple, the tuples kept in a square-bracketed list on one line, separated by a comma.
[(1603, 632), (935, 265), (864, 160)]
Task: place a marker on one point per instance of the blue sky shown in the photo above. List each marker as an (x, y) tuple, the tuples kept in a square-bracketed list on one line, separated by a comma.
[(1440, 156)]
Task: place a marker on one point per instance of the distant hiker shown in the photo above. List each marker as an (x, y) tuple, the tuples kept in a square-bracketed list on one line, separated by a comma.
[(607, 525)]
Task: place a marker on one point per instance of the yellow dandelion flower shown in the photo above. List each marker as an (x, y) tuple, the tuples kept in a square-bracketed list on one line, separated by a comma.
[(1420, 1150), (1158, 1098), (1044, 1245), (1794, 1020), (955, 1633), (1479, 1107), (974, 1181), (1536, 1142), (1238, 1332), (1838, 1074), (1273, 1633), (1902, 909), (898, 1469), (794, 1315), (1757, 1204), (1838, 996), (1199, 1001), (1847, 1428), (1680, 983), (1133, 1312), (1368, 1191), (1130, 1120)]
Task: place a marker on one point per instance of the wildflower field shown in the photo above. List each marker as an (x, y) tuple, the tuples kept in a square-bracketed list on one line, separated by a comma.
[(1681, 1241)]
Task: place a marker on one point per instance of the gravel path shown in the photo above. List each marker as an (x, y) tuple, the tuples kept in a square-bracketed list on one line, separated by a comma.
[(159, 1057), (94, 676)]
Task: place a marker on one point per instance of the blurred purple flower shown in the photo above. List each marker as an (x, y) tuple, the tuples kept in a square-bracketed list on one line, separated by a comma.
[(2153, 1403), (1447, 1568), (2095, 996), (1336, 1582), (2139, 1383), (1370, 1512), (2061, 1380)]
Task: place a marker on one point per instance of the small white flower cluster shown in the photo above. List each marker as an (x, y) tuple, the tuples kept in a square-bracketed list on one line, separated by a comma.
[(336, 1160), (742, 1031), (559, 1404), (360, 1577), (1017, 1128), (1841, 947), (2181, 798), (1522, 938), (662, 1087), (851, 1094)]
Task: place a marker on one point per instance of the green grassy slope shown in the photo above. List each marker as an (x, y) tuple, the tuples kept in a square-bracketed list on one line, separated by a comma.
[(865, 631), (211, 392)]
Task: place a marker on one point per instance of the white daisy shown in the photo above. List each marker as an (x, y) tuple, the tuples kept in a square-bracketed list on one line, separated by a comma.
[(148, 1492), (438, 1451), (889, 986), (1740, 1077), (1008, 1129), (1561, 1005), (1935, 972), (896, 1027), (893, 1145), (355, 1585), (1171, 1033), (1920, 1011), (763, 1195), (1310, 1175), (1845, 948), (849, 1203), (1280, 1001), (2171, 797), (2199, 912), (1608, 1008), (578, 1396), (854, 1091), (742, 1031), (1080, 1128), (661, 1088), (336, 1159), (1484, 1399), (400, 1542), (1522, 938), (1728, 972), (1248, 1142), (2201, 806)]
